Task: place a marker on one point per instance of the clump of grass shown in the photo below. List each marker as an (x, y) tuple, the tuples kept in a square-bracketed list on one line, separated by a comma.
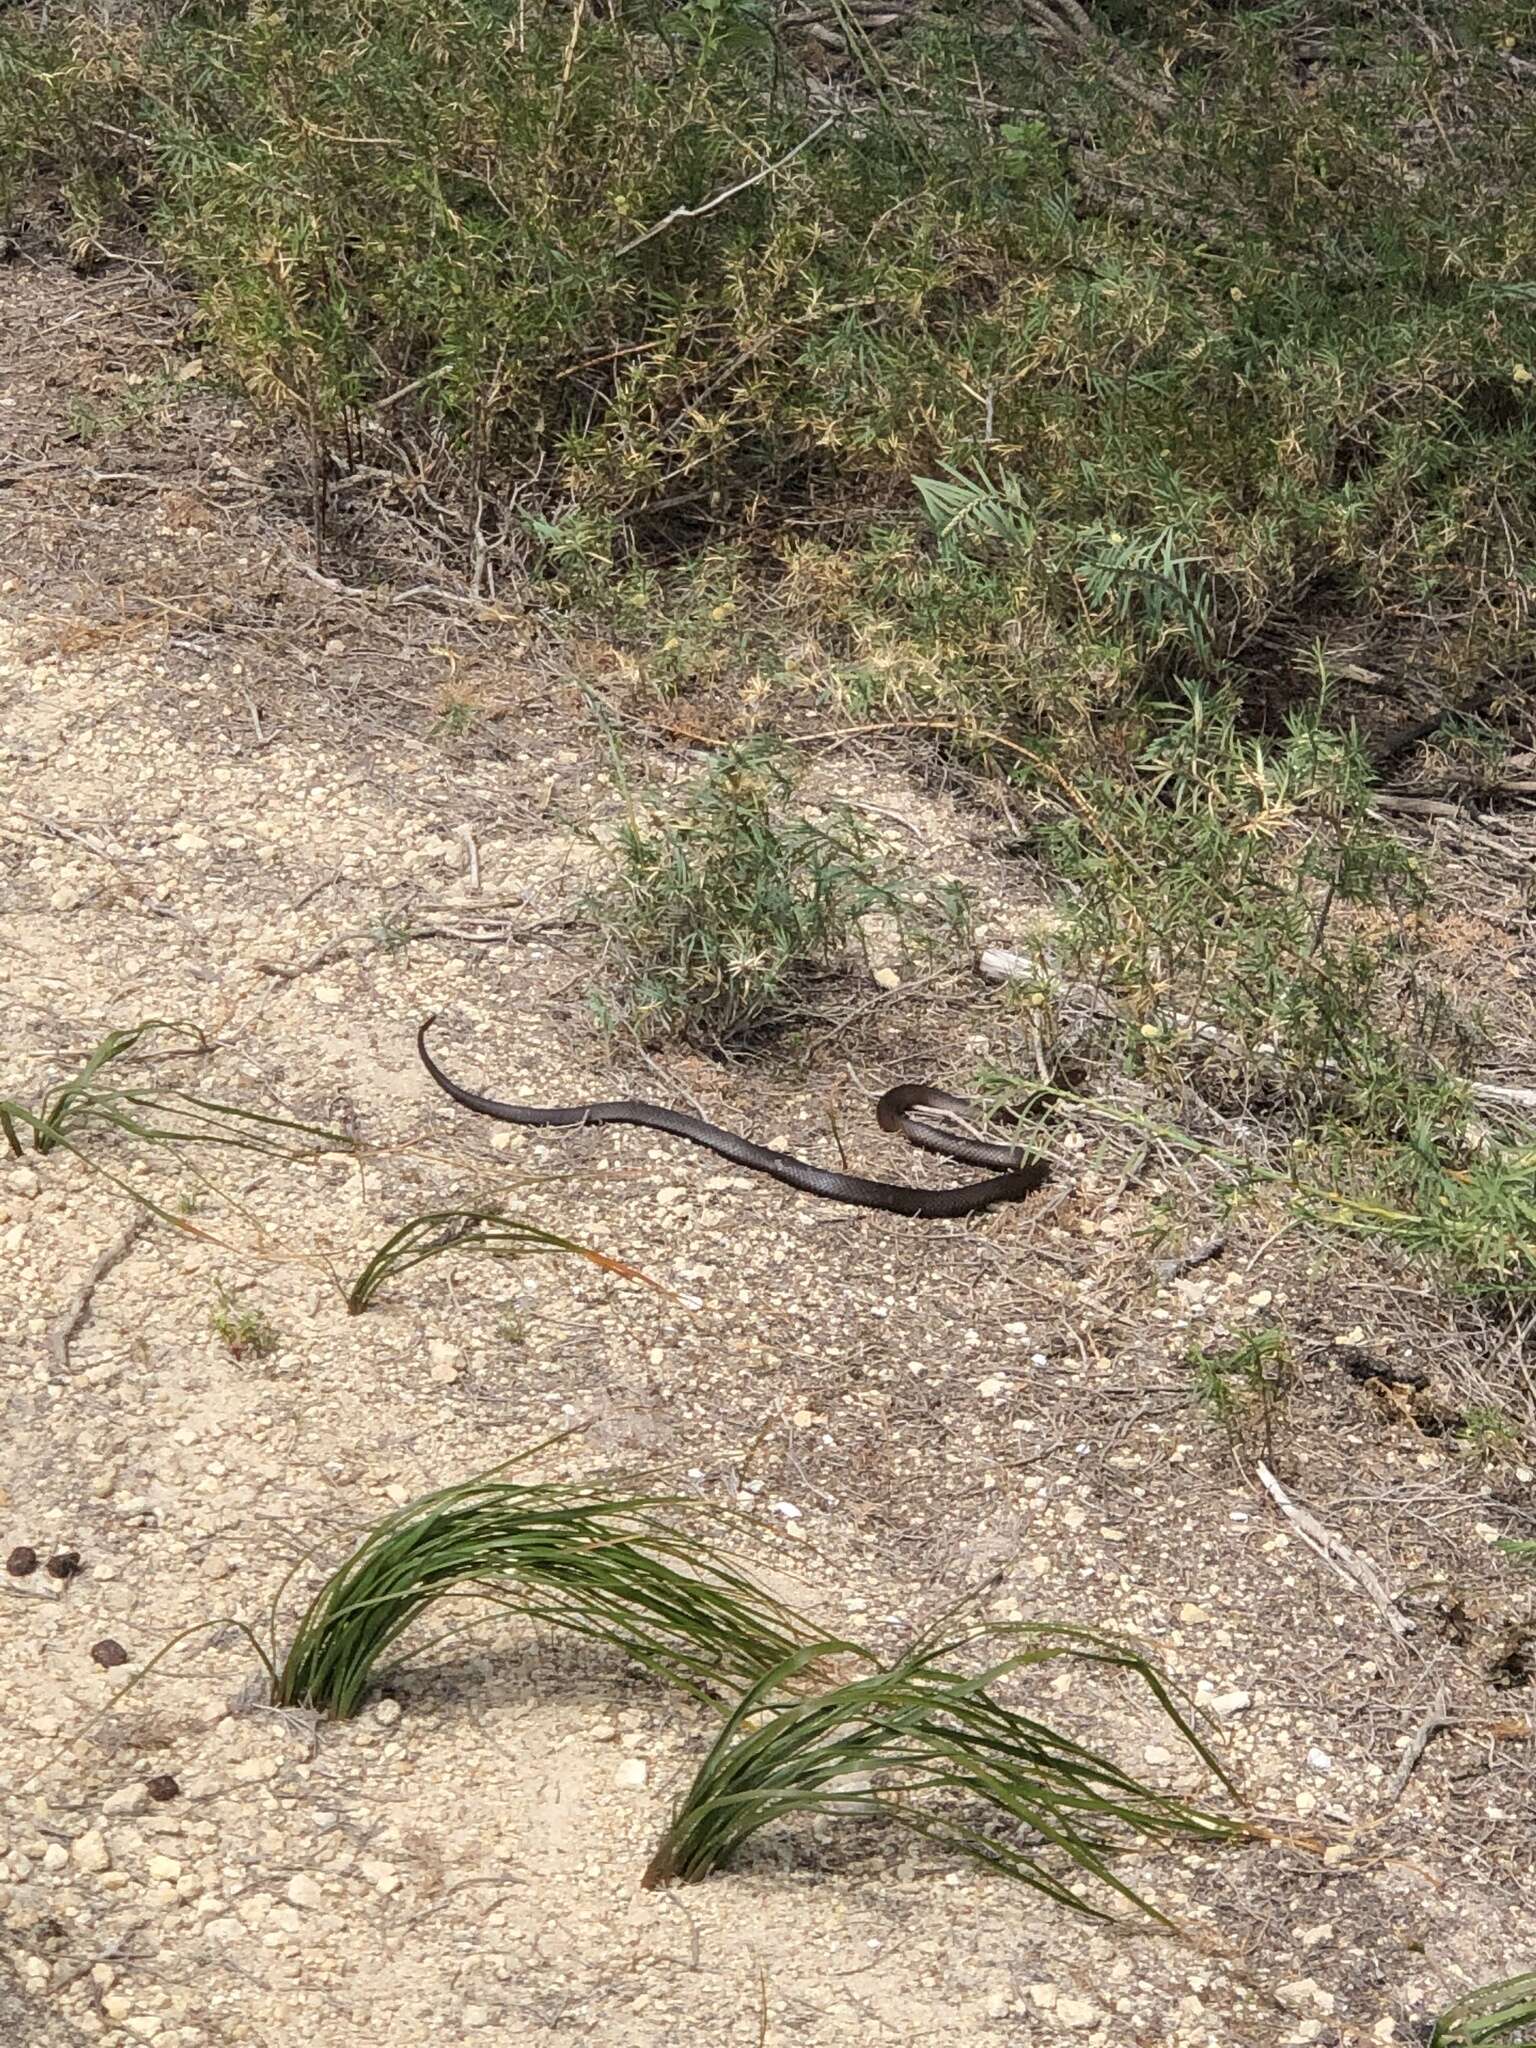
[(1260, 935), (1487, 1432), (467, 1230), (924, 1746), (622, 1569), (1244, 1386), (244, 1332), (721, 916), (95, 1103), (1503, 2013)]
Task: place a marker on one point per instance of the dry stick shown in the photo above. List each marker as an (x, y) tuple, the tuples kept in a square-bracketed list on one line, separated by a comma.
[(719, 198), (65, 1324), (323, 958), (1431, 1725), (1348, 1564)]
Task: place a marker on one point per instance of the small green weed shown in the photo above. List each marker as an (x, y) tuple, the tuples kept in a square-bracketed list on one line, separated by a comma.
[(244, 1332), (1244, 1387), (457, 717), (878, 1744), (1487, 1432), (721, 915)]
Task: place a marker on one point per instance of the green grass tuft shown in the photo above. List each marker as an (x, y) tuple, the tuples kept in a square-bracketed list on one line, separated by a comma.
[(924, 1746), (1500, 2015), (621, 1569), (94, 1104)]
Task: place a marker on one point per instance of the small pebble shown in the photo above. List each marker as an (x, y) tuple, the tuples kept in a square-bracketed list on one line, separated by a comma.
[(631, 1774), (22, 1561), (303, 1891), (90, 1852), (162, 1788), (108, 1654), (65, 1565)]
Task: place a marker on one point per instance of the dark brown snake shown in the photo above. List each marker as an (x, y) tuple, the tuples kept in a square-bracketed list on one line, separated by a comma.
[(1022, 1175)]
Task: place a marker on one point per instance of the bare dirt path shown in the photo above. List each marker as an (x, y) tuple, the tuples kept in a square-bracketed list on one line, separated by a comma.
[(194, 829)]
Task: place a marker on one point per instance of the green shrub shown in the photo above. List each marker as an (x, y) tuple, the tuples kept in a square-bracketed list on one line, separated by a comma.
[(1229, 318), (720, 915)]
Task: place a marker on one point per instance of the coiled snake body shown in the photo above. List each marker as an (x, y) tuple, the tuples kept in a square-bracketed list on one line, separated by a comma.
[(1022, 1174)]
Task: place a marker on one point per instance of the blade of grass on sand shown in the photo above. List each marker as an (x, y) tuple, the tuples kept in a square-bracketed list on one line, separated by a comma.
[(471, 1230), (1502, 2014)]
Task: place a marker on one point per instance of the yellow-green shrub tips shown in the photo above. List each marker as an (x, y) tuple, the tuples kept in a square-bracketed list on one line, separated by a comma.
[(620, 1569), (923, 1746)]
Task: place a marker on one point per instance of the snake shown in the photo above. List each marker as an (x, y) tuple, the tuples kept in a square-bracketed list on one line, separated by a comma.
[(1021, 1172)]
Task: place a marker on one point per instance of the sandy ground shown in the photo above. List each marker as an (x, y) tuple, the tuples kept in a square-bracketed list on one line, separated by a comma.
[(195, 827)]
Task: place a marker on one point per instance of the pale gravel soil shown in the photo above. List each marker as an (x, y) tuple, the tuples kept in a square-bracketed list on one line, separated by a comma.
[(939, 1405)]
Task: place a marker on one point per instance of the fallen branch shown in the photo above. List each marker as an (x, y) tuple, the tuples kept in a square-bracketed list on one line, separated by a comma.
[(68, 1321), (1345, 1563)]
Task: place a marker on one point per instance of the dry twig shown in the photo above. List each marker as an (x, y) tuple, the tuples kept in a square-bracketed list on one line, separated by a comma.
[(1347, 1564)]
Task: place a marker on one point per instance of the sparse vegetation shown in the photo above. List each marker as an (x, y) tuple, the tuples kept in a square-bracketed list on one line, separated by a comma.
[(1489, 1433), (95, 1104), (245, 1332), (1243, 1386), (720, 915)]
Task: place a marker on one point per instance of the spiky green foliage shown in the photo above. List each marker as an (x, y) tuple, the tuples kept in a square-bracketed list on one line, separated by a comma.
[(719, 914), (487, 1231), (1501, 2015), (927, 1747), (625, 1569), (1258, 929)]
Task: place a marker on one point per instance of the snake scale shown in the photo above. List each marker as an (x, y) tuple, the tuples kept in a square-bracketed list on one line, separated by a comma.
[(1021, 1173)]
